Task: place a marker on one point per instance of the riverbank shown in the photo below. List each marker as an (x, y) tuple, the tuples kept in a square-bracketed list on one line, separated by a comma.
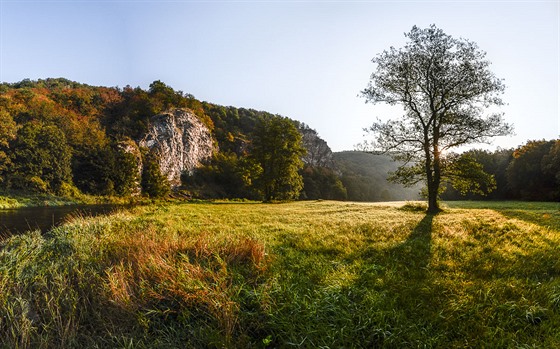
[(15, 200), (306, 274)]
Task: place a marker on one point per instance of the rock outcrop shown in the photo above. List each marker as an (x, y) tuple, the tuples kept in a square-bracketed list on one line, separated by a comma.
[(181, 142), (319, 154)]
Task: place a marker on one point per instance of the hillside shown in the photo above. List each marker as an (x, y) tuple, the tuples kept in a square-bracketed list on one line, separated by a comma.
[(364, 176), (63, 137), (59, 137)]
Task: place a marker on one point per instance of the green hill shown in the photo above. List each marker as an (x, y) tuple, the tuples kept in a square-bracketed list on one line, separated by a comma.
[(63, 137), (365, 177)]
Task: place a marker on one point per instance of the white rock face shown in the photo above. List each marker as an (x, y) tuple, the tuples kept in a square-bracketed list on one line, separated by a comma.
[(181, 141), (319, 154)]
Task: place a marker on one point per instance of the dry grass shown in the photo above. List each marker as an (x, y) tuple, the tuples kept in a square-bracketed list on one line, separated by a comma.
[(188, 273)]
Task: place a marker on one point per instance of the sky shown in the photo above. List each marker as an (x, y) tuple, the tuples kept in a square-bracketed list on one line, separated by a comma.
[(307, 60)]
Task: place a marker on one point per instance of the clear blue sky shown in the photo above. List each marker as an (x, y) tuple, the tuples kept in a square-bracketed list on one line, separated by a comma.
[(307, 60)]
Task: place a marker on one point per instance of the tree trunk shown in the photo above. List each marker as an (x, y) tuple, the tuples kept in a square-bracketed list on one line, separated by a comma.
[(432, 177), (433, 205), (434, 183)]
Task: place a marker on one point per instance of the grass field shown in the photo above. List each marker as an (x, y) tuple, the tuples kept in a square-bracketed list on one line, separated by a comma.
[(305, 274)]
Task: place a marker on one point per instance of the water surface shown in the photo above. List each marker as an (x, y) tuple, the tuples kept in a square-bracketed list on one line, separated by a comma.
[(17, 221)]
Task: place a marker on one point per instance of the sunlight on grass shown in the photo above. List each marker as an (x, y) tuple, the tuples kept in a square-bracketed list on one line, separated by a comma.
[(304, 274)]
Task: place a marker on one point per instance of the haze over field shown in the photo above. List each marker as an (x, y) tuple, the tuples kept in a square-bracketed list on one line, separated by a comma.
[(304, 60)]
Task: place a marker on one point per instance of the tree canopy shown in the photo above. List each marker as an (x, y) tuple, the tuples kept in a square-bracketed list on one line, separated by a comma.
[(41, 158), (277, 149), (534, 172), (445, 86), (95, 133), (63, 137)]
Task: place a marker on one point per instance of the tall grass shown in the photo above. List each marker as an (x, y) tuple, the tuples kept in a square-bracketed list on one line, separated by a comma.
[(307, 274)]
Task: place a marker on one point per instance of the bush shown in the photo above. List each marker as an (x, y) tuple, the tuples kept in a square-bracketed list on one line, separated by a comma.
[(412, 206), (154, 183), (69, 190)]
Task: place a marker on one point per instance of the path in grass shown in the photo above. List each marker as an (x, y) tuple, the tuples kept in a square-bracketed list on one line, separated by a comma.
[(305, 274)]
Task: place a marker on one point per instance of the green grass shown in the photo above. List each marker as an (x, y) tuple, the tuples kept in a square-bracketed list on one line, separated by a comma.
[(306, 274), (14, 200), (11, 201)]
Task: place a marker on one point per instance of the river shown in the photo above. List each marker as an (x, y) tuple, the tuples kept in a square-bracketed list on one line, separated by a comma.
[(17, 221)]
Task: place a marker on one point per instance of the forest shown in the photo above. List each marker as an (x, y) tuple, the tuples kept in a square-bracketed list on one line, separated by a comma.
[(65, 138)]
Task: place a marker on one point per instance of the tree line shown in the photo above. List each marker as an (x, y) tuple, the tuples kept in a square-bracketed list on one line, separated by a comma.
[(529, 172), (62, 137), (66, 138)]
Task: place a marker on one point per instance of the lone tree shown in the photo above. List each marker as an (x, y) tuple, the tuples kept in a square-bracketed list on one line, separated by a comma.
[(444, 86), (277, 150)]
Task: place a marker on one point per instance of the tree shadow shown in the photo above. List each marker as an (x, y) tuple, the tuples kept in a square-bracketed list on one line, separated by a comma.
[(395, 283), (390, 290), (542, 218), (412, 257), (406, 263)]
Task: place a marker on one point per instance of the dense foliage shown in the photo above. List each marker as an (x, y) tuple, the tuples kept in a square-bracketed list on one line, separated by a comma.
[(41, 158), (63, 137), (277, 150), (365, 177), (154, 183), (530, 172), (322, 183), (60, 143)]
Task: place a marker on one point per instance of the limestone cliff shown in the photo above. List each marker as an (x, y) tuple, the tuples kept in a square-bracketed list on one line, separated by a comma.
[(180, 140), (319, 154)]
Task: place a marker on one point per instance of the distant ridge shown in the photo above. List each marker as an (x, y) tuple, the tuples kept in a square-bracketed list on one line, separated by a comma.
[(365, 177)]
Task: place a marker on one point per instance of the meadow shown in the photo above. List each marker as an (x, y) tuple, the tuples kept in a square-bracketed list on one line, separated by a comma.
[(315, 274)]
